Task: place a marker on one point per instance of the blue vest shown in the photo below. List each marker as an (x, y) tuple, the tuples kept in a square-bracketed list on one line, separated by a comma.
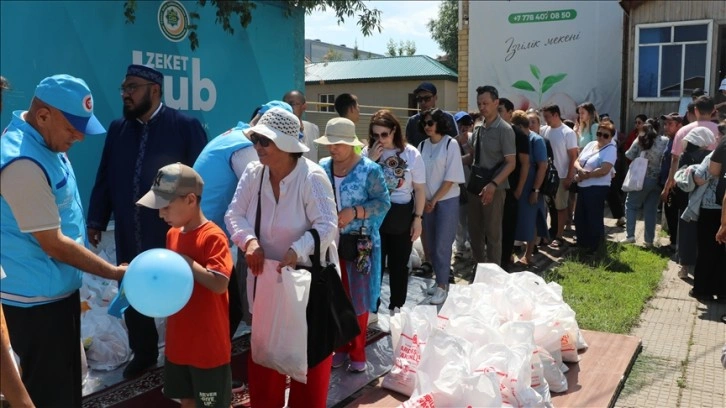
[(33, 277), (215, 167)]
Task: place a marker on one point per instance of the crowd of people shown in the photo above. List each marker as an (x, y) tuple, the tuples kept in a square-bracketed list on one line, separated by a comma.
[(487, 182)]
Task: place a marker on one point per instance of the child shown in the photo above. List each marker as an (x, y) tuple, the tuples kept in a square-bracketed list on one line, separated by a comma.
[(197, 368)]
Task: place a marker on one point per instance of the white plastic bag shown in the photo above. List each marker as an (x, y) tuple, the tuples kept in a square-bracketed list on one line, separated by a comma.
[(279, 324), (105, 339), (416, 327), (636, 174), (445, 378)]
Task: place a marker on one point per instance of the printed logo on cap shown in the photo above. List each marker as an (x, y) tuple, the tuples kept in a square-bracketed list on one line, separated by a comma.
[(173, 20), (88, 103)]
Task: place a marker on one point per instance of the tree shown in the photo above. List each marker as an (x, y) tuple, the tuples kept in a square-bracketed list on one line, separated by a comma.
[(391, 48), (394, 49), (332, 55), (409, 48), (368, 19), (356, 52), (445, 31)]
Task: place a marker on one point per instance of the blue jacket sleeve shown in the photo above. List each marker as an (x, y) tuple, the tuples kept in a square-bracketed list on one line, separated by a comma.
[(197, 139)]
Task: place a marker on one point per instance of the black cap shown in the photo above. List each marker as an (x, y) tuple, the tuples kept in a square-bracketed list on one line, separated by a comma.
[(425, 86)]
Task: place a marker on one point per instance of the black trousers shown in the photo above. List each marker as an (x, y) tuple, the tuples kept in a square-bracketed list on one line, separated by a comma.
[(509, 225), (616, 198), (239, 307), (672, 213), (397, 249), (47, 338), (708, 277), (143, 337)]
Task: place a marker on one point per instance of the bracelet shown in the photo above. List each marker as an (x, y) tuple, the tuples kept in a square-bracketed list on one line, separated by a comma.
[(495, 183), (355, 212)]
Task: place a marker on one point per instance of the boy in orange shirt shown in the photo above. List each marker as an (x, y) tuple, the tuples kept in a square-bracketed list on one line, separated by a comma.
[(197, 368)]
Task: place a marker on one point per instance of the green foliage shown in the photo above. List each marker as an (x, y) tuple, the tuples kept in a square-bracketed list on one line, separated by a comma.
[(333, 55), (610, 295), (401, 48), (368, 19), (445, 31), (544, 84), (391, 48), (356, 52)]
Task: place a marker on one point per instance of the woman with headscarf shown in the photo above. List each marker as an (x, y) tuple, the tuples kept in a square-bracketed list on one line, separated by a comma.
[(405, 176), (362, 201), (277, 201)]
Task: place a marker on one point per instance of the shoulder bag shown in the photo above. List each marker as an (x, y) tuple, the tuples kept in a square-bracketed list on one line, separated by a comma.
[(480, 176)]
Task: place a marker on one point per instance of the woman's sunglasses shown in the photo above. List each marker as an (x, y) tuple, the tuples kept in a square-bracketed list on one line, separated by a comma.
[(603, 135), (429, 123), (263, 141), (381, 135)]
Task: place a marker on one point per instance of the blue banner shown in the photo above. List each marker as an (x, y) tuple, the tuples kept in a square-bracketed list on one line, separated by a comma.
[(220, 83)]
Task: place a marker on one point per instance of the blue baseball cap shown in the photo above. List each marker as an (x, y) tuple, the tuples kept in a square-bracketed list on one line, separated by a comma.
[(461, 115), (274, 104), (71, 96)]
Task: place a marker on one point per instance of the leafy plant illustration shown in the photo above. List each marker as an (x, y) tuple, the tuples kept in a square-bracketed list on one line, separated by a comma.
[(544, 84)]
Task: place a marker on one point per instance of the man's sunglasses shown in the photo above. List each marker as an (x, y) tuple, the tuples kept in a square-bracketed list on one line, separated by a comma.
[(263, 141)]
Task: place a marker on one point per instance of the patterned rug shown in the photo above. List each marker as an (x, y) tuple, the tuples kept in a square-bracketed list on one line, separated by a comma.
[(145, 391)]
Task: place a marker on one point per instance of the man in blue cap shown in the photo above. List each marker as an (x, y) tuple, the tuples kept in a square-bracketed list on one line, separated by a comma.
[(426, 98), (221, 164), (148, 137), (43, 238)]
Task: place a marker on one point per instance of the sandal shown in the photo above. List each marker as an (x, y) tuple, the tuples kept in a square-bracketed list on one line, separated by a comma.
[(557, 243), (425, 270)]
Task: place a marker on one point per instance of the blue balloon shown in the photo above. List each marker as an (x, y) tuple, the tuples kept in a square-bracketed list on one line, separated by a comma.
[(158, 282)]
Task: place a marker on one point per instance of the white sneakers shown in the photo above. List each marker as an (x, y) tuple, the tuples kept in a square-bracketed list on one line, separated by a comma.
[(430, 291), (439, 296), (628, 240), (394, 311)]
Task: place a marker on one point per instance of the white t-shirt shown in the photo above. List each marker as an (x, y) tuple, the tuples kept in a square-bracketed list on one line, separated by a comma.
[(561, 139), (401, 171), (310, 133), (442, 164), (338, 182), (590, 160)]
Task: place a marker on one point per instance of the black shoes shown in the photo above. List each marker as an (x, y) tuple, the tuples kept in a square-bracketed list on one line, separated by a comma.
[(138, 366)]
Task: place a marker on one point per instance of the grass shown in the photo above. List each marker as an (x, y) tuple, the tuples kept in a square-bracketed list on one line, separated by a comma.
[(609, 294)]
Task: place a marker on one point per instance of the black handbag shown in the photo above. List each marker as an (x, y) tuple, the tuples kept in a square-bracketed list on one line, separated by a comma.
[(398, 219), (331, 318), (551, 182), (481, 176), (348, 243)]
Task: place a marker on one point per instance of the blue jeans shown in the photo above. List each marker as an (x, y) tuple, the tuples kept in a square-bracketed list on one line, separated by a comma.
[(439, 227), (589, 217), (646, 199)]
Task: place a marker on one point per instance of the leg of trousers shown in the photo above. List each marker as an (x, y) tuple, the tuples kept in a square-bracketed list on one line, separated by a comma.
[(650, 209), (709, 276), (615, 195), (440, 226), (553, 218), (672, 215), (688, 250), (235, 302), (589, 217), (47, 339), (509, 225), (397, 249), (485, 228), (143, 337), (462, 231), (356, 348), (267, 386)]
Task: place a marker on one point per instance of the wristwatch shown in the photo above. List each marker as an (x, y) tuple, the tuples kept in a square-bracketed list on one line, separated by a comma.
[(535, 190)]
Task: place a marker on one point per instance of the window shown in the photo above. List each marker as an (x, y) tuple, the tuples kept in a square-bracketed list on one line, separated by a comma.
[(324, 100), (671, 59)]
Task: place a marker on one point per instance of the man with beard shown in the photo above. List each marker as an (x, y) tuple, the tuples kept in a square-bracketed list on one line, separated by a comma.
[(148, 137)]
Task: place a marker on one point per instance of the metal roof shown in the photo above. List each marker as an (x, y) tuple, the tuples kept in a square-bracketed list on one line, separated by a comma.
[(378, 69)]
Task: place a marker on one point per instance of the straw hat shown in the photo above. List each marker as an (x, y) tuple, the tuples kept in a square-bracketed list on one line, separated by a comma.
[(339, 131)]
